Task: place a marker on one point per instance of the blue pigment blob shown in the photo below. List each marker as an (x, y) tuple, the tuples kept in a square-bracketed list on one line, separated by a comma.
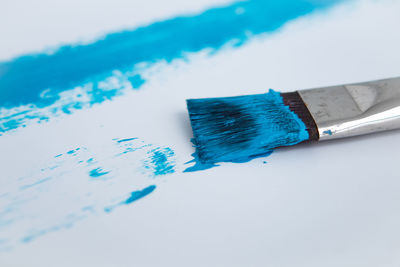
[(328, 132), (136, 81), (238, 129), (95, 173), (160, 161), (136, 195), (139, 194), (22, 80)]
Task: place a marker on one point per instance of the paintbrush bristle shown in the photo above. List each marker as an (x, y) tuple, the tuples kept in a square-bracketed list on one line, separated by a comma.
[(237, 129)]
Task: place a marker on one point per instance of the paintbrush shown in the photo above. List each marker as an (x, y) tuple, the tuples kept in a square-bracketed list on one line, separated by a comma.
[(237, 129)]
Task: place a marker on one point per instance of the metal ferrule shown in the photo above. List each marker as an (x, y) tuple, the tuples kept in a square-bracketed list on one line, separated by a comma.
[(355, 109)]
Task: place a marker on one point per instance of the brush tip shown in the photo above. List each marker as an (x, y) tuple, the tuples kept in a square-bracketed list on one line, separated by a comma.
[(237, 129)]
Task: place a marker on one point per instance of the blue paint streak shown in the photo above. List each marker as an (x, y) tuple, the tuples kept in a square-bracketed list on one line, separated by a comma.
[(22, 80), (139, 194), (73, 151), (126, 140), (95, 173), (238, 129), (136, 195), (37, 233), (34, 184), (328, 132), (160, 162)]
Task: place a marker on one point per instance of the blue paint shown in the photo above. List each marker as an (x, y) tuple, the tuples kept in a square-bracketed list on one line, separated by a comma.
[(73, 151), (139, 194), (126, 140), (238, 129), (70, 221), (328, 132), (59, 155), (95, 173), (34, 184), (136, 81), (11, 125), (39, 78), (160, 161), (136, 195), (198, 165)]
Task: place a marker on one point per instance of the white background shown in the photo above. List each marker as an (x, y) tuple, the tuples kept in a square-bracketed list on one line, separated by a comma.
[(328, 204)]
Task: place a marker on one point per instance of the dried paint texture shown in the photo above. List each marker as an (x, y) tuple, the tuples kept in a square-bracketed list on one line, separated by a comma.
[(237, 129)]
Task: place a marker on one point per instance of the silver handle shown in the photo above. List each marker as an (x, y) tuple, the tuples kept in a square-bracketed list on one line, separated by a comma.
[(355, 109)]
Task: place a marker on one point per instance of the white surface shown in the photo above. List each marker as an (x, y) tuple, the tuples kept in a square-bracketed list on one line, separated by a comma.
[(329, 204)]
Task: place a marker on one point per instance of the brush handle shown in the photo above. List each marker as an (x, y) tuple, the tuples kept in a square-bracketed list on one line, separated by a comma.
[(354, 109)]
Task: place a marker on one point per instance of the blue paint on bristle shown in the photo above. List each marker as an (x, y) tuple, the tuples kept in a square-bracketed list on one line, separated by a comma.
[(197, 164), (238, 129)]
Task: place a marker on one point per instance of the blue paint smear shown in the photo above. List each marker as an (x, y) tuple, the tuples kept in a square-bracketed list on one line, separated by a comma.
[(126, 140), (73, 151), (72, 219), (328, 132), (95, 173), (136, 195), (34, 184), (160, 161), (139, 194), (239, 129), (22, 80)]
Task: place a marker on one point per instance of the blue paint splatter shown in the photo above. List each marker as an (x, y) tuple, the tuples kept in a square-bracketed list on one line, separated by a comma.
[(136, 195), (40, 78), (238, 129), (328, 132), (160, 161), (95, 173), (73, 151)]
